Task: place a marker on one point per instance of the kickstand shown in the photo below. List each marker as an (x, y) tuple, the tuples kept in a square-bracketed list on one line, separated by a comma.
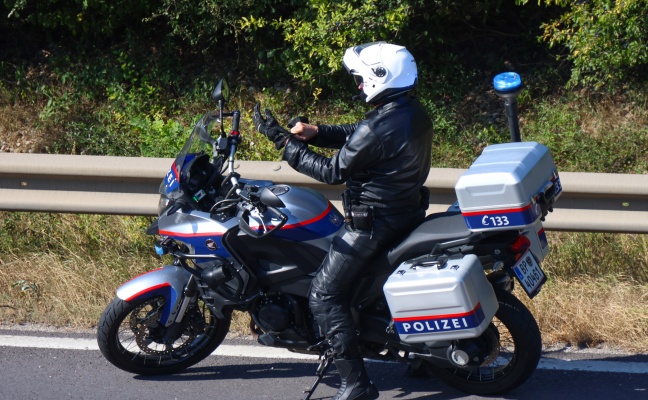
[(325, 362)]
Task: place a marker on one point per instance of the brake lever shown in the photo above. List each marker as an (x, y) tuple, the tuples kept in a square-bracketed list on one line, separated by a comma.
[(246, 228), (256, 213)]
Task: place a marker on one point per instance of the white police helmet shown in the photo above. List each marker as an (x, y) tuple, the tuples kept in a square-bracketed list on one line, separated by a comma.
[(386, 69)]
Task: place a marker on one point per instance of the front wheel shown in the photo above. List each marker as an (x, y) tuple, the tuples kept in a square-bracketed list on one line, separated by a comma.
[(131, 338), (513, 344)]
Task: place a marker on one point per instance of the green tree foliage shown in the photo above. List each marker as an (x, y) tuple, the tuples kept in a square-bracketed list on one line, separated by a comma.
[(300, 41), (606, 40), (319, 33), (306, 45), (80, 18), (204, 23), (117, 76)]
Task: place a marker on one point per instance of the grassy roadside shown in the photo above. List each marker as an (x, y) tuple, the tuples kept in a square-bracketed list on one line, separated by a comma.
[(597, 291), (592, 298), (63, 269)]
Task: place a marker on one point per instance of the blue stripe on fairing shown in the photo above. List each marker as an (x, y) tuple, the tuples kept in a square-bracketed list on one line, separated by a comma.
[(330, 223), (325, 224)]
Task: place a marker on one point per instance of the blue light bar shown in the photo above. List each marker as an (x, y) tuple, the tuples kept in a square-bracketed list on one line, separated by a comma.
[(507, 82)]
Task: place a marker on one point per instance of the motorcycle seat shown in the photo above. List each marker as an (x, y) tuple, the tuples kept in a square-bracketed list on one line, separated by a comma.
[(436, 228)]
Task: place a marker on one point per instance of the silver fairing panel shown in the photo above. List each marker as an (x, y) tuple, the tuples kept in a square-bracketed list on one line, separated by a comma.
[(168, 282)]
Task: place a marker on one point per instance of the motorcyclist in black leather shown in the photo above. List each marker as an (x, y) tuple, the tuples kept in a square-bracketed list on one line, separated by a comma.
[(384, 161)]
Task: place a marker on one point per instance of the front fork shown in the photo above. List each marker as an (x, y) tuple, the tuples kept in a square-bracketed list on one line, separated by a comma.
[(189, 297)]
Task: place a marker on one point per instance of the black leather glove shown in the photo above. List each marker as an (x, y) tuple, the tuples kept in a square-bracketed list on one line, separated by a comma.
[(293, 122), (269, 127)]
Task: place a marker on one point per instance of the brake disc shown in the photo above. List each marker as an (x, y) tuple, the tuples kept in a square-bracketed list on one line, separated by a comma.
[(148, 333)]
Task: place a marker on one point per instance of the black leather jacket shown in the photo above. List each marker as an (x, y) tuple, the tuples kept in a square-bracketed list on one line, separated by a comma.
[(384, 159)]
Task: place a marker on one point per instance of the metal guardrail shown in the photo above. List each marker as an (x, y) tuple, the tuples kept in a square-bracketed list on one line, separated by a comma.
[(128, 186)]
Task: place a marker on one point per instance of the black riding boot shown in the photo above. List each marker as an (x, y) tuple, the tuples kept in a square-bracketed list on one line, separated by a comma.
[(355, 381)]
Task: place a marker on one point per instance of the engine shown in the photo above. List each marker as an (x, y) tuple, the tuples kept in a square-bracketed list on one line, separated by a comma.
[(275, 313), (283, 317), (275, 317)]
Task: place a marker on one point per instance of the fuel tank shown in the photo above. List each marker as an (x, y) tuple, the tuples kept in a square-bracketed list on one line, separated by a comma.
[(310, 215), (311, 218)]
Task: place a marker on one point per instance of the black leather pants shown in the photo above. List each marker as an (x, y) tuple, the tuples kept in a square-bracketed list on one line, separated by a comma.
[(348, 258)]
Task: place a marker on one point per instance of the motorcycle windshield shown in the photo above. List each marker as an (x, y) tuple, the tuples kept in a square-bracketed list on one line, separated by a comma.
[(197, 143)]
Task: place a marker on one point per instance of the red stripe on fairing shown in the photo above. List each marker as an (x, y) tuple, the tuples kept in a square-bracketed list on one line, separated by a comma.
[(500, 211), (291, 226), (150, 289), (175, 171), (210, 234), (310, 221), (447, 316)]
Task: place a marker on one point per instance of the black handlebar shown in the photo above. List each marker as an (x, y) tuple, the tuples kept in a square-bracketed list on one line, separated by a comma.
[(236, 117)]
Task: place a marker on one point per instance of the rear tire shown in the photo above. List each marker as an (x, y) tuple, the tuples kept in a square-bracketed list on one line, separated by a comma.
[(130, 337), (520, 348)]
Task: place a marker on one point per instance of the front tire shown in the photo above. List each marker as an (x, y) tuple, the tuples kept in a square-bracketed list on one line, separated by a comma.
[(512, 362), (130, 336)]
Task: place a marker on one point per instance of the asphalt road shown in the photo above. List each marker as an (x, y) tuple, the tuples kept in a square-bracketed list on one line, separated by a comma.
[(74, 369)]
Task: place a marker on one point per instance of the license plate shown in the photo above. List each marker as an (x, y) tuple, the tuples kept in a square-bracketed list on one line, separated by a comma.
[(529, 274)]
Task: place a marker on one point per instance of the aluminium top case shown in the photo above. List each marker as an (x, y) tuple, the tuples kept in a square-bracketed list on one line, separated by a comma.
[(510, 185)]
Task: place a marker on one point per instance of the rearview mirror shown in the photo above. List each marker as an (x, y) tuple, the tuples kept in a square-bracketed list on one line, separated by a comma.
[(221, 93)]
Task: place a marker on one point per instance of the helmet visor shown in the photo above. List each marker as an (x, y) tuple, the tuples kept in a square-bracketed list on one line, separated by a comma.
[(358, 49)]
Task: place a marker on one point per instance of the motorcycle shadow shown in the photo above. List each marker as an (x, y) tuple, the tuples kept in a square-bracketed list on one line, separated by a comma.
[(280, 378)]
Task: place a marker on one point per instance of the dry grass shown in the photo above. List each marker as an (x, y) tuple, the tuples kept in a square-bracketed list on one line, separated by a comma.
[(597, 292), (588, 312), (621, 257), (17, 131), (52, 290), (63, 270), (609, 115)]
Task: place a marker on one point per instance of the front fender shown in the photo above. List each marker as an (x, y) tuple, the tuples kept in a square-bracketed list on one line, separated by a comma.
[(168, 282)]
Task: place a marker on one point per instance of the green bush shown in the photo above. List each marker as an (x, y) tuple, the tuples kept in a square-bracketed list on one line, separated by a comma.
[(320, 33), (607, 41), (86, 20)]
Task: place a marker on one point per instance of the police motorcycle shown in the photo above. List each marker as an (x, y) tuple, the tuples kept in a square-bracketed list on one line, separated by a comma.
[(441, 300)]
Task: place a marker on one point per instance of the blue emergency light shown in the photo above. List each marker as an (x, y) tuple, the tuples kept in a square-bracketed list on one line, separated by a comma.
[(507, 86), (507, 82)]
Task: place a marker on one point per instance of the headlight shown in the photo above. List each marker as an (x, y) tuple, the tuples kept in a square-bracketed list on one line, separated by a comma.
[(162, 205)]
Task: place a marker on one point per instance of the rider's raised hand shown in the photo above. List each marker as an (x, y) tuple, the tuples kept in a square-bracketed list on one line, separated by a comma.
[(262, 124), (303, 131), (269, 127)]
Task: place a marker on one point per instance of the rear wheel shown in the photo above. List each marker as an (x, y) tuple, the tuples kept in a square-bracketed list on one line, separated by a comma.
[(513, 346), (131, 338)]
